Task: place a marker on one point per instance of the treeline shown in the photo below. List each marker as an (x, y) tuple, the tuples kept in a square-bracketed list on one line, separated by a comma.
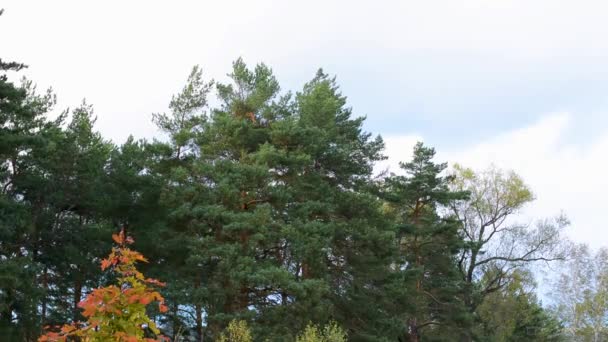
[(264, 209)]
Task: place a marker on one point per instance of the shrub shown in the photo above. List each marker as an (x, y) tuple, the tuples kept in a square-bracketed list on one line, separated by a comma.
[(330, 333), (237, 331)]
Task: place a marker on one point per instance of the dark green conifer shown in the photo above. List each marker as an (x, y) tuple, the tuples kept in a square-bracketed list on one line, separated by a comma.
[(427, 280)]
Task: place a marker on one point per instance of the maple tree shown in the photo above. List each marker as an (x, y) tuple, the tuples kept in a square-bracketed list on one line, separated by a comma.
[(117, 312)]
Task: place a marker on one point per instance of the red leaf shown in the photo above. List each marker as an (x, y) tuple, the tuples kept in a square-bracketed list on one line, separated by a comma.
[(145, 300)]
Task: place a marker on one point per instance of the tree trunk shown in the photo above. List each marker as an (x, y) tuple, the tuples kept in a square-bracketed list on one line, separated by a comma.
[(243, 301), (199, 313), (6, 316), (414, 333), (45, 286), (77, 298), (305, 270), (175, 320), (199, 322), (466, 337)]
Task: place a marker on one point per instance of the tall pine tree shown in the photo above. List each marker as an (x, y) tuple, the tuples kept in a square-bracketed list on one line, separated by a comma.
[(282, 229), (427, 280)]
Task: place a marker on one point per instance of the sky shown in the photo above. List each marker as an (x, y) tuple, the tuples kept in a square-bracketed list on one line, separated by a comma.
[(519, 84)]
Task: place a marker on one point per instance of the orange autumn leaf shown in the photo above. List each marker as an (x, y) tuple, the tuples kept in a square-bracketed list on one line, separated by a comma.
[(122, 305), (134, 298), (105, 263), (155, 282), (145, 300), (140, 257), (67, 329), (119, 238)]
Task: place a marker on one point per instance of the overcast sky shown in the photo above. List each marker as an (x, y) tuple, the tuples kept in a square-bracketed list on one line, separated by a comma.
[(521, 84)]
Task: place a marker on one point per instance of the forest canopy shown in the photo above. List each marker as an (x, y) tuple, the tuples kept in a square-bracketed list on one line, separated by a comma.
[(267, 218)]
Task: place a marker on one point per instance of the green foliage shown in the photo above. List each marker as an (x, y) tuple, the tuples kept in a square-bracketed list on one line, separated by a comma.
[(263, 209), (426, 281), (493, 184), (329, 333), (23, 129), (514, 314), (277, 206), (580, 294), (496, 245), (187, 113), (237, 331)]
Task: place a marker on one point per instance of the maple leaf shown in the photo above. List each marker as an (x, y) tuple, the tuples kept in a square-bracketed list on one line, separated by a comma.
[(118, 238), (155, 282), (132, 299), (145, 300), (140, 257), (105, 263)]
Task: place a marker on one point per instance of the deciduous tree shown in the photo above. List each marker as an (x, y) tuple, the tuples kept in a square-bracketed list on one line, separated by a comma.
[(497, 245), (580, 294), (117, 312)]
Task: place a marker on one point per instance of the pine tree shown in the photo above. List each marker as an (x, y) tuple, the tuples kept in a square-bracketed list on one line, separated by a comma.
[(427, 279), (23, 127), (172, 162), (338, 240), (66, 186), (224, 200), (275, 204), (52, 191)]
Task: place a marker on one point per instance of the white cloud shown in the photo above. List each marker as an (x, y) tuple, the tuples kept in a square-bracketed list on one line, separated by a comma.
[(563, 176), (397, 149), (128, 57)]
